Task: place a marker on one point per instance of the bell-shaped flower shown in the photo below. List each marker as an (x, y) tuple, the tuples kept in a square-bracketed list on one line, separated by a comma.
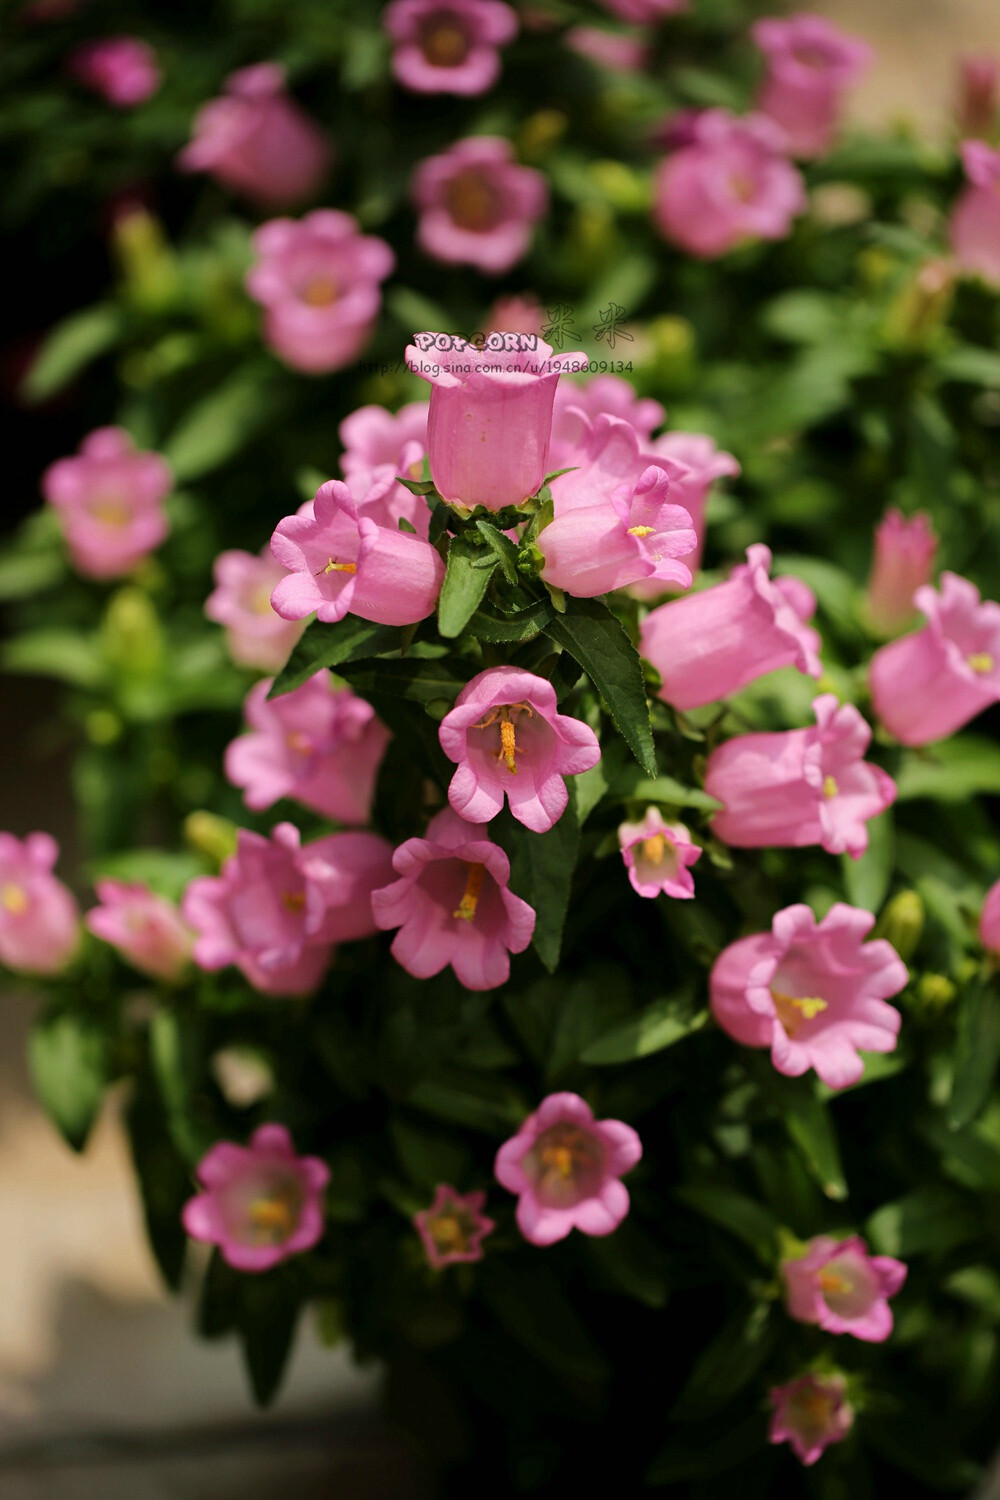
[(838, 1286)]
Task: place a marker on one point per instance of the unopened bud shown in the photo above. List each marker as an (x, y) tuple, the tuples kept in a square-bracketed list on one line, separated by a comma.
[(212, 836), (901, 923), (935, 991)]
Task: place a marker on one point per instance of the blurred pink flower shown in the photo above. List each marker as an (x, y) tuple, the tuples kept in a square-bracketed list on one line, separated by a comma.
[(565, 1167), (320, 745), (372, 436), (989, 920), (260, 1203), (256, 141), (341, 555), (490, 414), (452, 1230), (837, 1285), (453, 905), (448, 46), (147, 930), (477, 206), (241, 601), (644, 12), (657, 856), (903, 562), (809, 65), (319, 282), (730, 184), (713, 643), (39, 918), (622, 54), (507, 738), (975, 218), (927, 685), (800, 786), (276, 909), (704, 464), (814, 993), (978, 96), (810, 1413), (109, 500), (516, 314), (123, 69)]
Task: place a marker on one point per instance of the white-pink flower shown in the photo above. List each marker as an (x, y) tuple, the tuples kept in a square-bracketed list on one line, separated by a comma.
[(658, 856)]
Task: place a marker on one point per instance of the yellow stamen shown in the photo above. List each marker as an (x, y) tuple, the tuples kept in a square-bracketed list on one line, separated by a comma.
[(653, 848), (558, 1159), (831, 1283), (641, 530), (472, 200), (830, 787), (444, 44), (508, 745), (272, 1214), (111, 513), (794, 1009), (448, 1233), (336, 567), (13, 899), (320, 292), (981, 661), (293, 900), (300, 743), (508, 742), (466, 908)]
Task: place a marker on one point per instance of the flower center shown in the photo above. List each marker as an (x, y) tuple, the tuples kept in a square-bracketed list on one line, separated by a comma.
[(320, 291), (810, 57), (830, 787), (466, 909), (111, 512), (563, 1159), (443, 41), (742, 186), (451, 1234), (293, 901), (654, 848), (832, 1284), (641, 531), (333, 566), (298, 742), (503, 715), (472, 201), (792, 1010), (981, 661), (13, 898), (272, 1217), (814, 1409)]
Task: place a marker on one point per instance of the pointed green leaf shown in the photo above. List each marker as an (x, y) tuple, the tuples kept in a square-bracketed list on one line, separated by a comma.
[(977, 1051), (67, 1054), (593, 637), (322, 646), (660, 1025), (465, 583)]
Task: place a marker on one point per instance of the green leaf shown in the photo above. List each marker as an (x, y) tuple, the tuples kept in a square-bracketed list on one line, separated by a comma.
[(269, 1313), (720, 1450), (977, 1051), (502, 548), (664, 790), (593, 637), (867, 880), (351, 639), (224, 422), (970, 363), (929, 1220), (487, 625), (726, 1364), (164, 1181), (68, 1057), (176, 1050), (69, 348), (746, 1218), (950, 772), (487, 1103), (542, 866), (534, 1309), (413, 678), (66, 655), (660, 1025), (465, 583)]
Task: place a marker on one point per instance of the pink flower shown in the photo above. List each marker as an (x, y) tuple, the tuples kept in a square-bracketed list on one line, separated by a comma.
[(146, 929), (713, 643), (989, 920), (39, 919), (477, 206), (840, 1287), (448, 46), (703, 464), (110, 503), (565, 1167), (975, 219), (490, 414), (810, 1413), (622, 54), (606, 455), (320, 745), (507, 738), (123, 69), (800, 786), (523, 314), (318, 281), (657, 856), (256, 141), (452, 1230), (607, 395), (452, 905), (373, 436), (261, 1203), (276, 909), (813, 992), (729, 184), (343, 557), (903, 562), (979, 82), (810, 64), (927, 685), (633, 534), (241, 601), (644, 12)]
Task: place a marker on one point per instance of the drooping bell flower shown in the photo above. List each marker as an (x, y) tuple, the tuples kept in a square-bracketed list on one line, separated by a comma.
[(508, 738), (810, 1413), (259, 1203), (452, 1230), (658, 856), (448, 46), (122, 69), (147, 930), (838, 1286), (810, 64), (490, 414), (319, 282), (39, 917), (478, 206), (256, 141), (320, 745), (978, 96), (903, 563), (566, 1169), (607, 395), (989, 920), (341, 558), (241, 601), (606, 454), (373, 436), (710, 644), (813, 992), (800, 786), (453, 905), (730, 183), (702, 464), (109, 499), (927, 685), (975, 219)]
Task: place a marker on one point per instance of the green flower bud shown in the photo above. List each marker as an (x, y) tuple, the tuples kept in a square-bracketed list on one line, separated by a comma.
[(210, 835), (901, 923)]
